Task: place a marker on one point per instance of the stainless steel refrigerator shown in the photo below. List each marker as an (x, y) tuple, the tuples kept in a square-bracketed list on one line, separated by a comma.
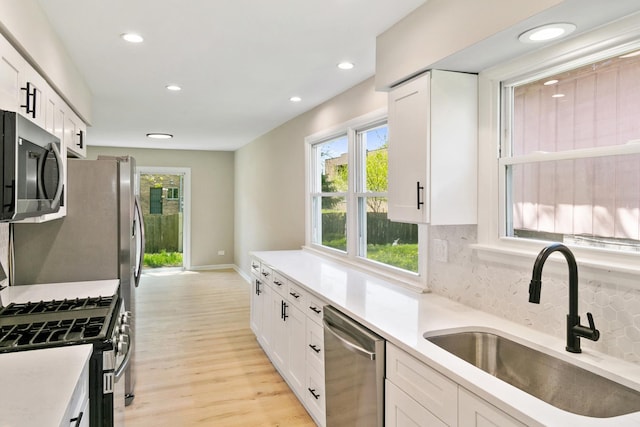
[(101, 237)]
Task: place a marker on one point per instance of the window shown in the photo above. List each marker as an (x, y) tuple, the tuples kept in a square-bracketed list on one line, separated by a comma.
[(348, 199), (571, 157), (173, 193), (560, 161)]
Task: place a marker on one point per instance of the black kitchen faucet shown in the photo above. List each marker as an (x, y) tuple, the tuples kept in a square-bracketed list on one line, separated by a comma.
[(574, 329)]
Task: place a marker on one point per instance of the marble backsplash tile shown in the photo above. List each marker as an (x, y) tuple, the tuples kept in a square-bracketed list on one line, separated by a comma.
[(504, 291)]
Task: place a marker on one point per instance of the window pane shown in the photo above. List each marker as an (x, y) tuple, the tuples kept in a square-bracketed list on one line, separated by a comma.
[(333, 165), (592, 106), (329, 222), (374, 143), (591, 201), (385, 241)]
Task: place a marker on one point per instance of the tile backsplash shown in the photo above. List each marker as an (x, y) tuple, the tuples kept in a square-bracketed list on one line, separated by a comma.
[(504, 291)]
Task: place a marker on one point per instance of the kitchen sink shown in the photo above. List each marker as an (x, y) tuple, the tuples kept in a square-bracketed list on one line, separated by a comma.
[(546, 377)]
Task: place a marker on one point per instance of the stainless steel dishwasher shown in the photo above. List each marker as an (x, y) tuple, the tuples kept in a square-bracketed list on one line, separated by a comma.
[(354, 372)]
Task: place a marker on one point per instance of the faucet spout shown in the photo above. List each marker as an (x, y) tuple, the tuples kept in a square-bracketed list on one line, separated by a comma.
[(574, 329)]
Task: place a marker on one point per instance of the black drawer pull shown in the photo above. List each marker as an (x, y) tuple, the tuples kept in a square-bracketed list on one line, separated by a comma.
[(265, 274), (316, 310), (314, 348), (277, 282), (313, 393), (293, 294)]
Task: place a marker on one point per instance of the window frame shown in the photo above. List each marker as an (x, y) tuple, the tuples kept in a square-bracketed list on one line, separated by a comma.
[(493, 243), (416, 281)]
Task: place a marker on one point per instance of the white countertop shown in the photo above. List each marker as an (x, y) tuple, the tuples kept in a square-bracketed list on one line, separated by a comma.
[(402, 317), (36, 386)]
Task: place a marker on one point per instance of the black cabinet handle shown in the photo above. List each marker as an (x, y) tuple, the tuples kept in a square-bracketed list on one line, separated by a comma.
[(314, 348), (316, 310), (313, 393), (254, 266), (277, 282), (77, 419), (258, 283), (283, 311), (30, 100), (80, 144), (418, 188), (295, 295), (265, 274)]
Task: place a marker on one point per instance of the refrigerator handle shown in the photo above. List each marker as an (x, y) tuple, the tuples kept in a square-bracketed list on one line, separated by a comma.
[(137, 220)]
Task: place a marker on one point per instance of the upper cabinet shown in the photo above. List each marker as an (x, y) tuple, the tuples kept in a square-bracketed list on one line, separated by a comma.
[(433, 122)]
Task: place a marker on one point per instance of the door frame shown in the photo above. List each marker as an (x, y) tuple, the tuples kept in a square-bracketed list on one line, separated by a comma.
[(186, 213)]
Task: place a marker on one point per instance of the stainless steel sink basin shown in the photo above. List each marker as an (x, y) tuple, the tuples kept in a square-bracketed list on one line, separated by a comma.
[(548, 378)]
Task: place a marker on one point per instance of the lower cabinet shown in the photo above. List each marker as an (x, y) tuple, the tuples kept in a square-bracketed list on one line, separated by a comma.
[(417, 395), (291, 335), (77, 413)]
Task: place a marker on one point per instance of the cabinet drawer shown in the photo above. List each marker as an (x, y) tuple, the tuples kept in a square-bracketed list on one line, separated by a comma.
[(402, 411), (296, 295), (315, 397), (429, 388), (266, 273), (255, 267), (475, 411), (280, 282), (315, 346), (314, 309)]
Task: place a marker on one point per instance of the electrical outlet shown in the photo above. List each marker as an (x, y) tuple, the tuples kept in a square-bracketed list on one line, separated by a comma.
[(440, 250), (221, 252)]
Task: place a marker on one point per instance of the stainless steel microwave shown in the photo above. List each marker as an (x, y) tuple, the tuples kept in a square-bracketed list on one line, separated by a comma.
[(32, 169)]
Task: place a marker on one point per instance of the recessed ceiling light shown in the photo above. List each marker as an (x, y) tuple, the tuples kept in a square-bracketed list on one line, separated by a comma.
[(132, 37), (558, 95), (174, 88), (295, 99), (346, 65), (550, 82), (159, 135), (547, 32)]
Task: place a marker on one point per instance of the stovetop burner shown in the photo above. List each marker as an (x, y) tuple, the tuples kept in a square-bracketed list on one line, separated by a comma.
[(26, 326), (55, 306)]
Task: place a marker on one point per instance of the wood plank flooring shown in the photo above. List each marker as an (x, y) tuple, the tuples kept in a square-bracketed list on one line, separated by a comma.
[(198, 363)]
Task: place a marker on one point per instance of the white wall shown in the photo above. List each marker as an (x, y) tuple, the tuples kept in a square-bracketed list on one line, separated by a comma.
[(270, 174), (212, 205)]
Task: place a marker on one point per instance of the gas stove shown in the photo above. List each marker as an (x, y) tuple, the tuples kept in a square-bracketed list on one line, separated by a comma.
[(32, 325), (99, 321)]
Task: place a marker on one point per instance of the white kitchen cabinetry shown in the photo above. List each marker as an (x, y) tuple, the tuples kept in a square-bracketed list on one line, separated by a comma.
[(291, 334), (78, 409), (12, 66), (433, 149), (430, 389), (74, 135), (418, 395), (475, 412), (403, 411)]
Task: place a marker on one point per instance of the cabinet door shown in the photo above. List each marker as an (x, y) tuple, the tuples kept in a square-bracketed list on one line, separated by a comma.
[(12, 66), (408, 173), (297, 367), (474, 411), (315, 346), (257, 306), (402, 411), (279, 341)]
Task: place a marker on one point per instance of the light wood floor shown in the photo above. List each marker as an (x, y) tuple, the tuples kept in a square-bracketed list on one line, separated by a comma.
[(198, 363)]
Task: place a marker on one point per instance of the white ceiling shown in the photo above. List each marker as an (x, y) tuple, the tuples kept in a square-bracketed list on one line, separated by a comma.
[(238, 62)]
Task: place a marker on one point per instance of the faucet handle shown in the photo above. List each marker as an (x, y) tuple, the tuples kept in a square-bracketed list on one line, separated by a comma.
[(595, 333)]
